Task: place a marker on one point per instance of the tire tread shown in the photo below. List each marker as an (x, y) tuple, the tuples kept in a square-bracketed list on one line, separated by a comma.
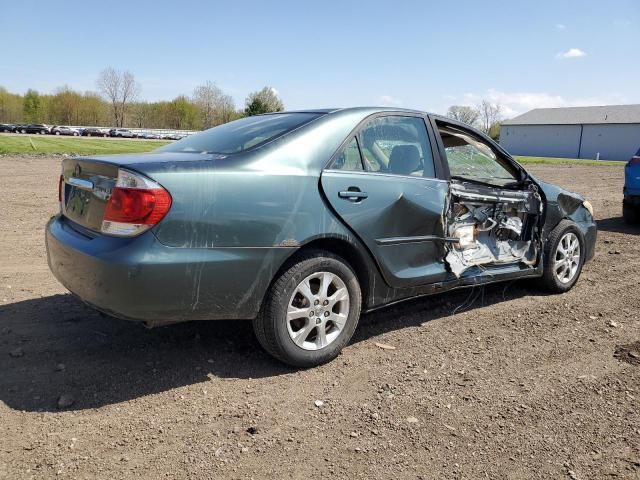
[(548, 281), (264, 324)]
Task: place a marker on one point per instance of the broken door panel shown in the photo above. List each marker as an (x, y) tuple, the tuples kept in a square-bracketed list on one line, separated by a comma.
[(399, 219)]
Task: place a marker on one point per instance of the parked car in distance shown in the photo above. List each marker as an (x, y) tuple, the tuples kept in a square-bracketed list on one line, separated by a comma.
[(62, 130), (148, 135), (303, 220), (39, 128), (94, 132), (121, 132), (631, 201), (7, 127)]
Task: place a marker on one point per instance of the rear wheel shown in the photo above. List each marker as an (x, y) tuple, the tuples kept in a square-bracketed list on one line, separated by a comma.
[(630, 213), (57, 133), (564, 257), (311, 311)]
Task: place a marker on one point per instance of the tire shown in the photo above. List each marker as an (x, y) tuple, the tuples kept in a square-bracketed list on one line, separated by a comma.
[(75, 134), (57, 133), (569, 265), (23, 131), (630, 214), (276, 334), (105, 135)]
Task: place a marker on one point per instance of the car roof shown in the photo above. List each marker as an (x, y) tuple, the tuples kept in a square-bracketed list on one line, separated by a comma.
[(371, 109)]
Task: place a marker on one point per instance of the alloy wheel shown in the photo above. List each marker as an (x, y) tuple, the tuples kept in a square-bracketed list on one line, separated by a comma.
[(567, 259), (318, 310)]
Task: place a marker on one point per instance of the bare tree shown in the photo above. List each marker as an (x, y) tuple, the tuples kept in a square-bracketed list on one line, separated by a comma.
[(141, 114), (490, 114), (120, 88), (464, 114), (216, 107), (226, 109), (205, 97)]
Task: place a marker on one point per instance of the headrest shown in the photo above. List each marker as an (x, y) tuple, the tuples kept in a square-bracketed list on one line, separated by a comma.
[(404, 159)]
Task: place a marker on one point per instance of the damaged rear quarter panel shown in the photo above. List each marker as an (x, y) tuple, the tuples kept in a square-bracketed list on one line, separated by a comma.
[(236, 219)]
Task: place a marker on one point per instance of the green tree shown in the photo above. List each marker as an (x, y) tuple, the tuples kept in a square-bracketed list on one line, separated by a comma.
[(92, 110), (182, 113), (494, 130), (64, 107), (31, 106), (263, 101), (10, 106)]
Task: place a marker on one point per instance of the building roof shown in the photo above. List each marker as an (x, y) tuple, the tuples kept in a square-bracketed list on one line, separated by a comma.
[(578, 115)]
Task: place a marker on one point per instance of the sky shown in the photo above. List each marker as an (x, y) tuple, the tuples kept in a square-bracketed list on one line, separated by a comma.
[(425, 55)]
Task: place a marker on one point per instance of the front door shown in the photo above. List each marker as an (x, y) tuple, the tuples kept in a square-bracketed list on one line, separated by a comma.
[(383, 185)]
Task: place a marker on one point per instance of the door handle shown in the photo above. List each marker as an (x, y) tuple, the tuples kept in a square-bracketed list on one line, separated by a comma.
[(353, 194)]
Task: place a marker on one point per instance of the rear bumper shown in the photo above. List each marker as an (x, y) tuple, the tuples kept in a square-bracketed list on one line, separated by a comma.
[(141, 279)]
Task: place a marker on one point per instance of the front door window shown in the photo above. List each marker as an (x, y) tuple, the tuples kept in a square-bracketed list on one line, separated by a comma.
[(470, 158)]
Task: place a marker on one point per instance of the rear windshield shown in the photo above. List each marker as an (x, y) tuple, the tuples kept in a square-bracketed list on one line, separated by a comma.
[(241, 135)]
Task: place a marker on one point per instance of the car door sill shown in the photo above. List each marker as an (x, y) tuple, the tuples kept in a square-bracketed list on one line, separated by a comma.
[(490, 275)]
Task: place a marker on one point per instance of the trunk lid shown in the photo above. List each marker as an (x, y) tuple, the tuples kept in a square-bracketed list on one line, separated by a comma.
[(88, 181), (85, 190)]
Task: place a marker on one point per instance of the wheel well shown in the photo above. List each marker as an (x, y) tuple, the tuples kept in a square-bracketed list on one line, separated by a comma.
[(343, 249)]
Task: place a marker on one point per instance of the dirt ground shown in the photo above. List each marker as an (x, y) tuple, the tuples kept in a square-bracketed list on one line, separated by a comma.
[(499, 382)]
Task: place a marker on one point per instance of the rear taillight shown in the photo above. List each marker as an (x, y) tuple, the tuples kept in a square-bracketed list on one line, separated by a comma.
[(634, 161), (136, 204)]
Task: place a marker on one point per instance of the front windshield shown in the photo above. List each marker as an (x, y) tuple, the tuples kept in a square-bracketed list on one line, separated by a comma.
[(241, 135)]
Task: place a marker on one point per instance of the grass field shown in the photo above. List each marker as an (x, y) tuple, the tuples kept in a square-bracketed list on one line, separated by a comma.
[(74, 145), (568, 161), (92, 146)]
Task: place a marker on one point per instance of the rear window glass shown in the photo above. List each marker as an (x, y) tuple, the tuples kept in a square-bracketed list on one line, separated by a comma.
[(241, 135)]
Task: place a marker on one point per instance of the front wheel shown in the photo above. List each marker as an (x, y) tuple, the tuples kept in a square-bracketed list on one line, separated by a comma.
[(311, 311), (564, 257)]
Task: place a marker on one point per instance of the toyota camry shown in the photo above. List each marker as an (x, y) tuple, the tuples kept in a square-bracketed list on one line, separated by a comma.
[(301, 221)]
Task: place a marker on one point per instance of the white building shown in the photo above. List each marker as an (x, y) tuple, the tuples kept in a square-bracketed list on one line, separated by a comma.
[(611, 132)]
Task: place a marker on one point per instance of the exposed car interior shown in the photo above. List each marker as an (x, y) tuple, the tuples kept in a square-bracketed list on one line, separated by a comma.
[(490, 224)]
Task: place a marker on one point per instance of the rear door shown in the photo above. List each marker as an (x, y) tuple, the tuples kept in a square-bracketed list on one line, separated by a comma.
[(385, 185)]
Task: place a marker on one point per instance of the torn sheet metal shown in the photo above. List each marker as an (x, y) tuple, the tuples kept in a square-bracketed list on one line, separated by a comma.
[(492, 226)]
